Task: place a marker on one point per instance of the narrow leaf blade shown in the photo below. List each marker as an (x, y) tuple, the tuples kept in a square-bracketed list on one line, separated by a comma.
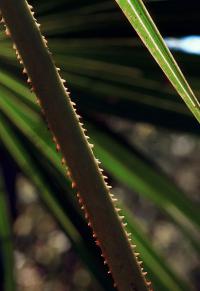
[(142, 22)]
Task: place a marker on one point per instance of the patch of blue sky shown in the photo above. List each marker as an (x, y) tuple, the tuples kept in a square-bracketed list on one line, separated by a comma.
[(189, 44)]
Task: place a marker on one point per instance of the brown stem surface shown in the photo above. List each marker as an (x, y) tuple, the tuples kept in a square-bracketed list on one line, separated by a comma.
[(64, 123)]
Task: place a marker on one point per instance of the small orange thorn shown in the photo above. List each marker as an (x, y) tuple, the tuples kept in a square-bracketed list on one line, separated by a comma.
[(91, 145), (144, 273), (57, 147), (44, 40), (63, 80), (39, 103), (7, 31), (80, 200), (32, 89), (114, 199), (73, 185), (148, 283)]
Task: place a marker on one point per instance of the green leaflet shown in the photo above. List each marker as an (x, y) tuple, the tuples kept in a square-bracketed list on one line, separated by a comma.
[(140, 19), (129, 105), (6, 244)]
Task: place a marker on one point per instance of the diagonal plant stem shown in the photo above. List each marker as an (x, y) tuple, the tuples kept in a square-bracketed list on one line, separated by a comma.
[(93, 192), (138, 16)]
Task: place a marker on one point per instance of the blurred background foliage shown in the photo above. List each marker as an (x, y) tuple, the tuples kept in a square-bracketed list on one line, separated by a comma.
[(144, 135)]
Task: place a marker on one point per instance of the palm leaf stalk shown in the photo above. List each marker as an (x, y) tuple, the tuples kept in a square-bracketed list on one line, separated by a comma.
[(93, 192)]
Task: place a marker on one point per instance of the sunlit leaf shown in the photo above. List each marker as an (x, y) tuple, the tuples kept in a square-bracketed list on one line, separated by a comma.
[(142, 22)]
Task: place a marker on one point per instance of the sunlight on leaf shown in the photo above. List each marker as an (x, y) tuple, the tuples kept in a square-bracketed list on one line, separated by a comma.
[(142, 22)]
